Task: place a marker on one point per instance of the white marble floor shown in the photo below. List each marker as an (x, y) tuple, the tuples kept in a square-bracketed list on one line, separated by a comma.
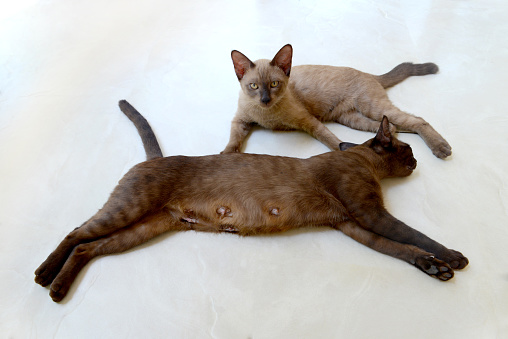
[(64, 144)]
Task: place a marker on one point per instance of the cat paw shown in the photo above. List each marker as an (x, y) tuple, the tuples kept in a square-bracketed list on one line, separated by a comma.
[(455, 259), (434, 267), (230, 150), (45, 274), (442, 149), (58, 291)]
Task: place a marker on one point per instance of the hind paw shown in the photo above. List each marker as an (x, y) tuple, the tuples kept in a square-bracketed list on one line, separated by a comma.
[(58, 291), (45, 274), (434, 267)]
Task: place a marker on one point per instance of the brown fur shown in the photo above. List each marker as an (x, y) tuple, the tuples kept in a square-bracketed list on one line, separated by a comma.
[(252, 194), (277, 96)]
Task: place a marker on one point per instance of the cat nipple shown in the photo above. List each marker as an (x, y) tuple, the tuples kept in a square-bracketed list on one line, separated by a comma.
[(224, 212), (274, 211), (190, 216), (190, 220)]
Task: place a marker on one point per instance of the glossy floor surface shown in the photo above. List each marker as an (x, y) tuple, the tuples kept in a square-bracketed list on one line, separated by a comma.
[(64, 144)]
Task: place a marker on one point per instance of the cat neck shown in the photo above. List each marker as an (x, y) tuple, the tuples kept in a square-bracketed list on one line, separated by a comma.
[(379, 166)]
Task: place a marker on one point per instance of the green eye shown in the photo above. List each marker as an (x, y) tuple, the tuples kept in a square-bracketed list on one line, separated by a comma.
[(274, 84), (254, 86)]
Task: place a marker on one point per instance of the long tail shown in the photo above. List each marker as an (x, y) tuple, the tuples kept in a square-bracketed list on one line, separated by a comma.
[(404, 71), (148, 138)]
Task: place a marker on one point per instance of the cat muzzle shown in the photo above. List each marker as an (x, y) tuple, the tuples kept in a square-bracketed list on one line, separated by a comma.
[(265, 97), (412, 166)]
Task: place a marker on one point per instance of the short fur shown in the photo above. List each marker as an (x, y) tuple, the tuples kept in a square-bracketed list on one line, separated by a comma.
[(276, 96), (145, 131), (252, 194)]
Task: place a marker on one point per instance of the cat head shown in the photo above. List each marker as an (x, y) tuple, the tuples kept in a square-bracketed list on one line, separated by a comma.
[(397, 156), (264, 81)]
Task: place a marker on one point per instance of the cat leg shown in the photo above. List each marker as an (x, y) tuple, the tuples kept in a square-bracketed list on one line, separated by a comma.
[(376, 108), (49, 269), (130, 201), (376, 219), (410, 123), (239, 131), (318, 130), (413, 255), (96, 227), (357, 120), (116, 242)]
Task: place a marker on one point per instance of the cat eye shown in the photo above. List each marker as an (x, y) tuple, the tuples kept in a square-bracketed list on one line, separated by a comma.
[(254, 86), (274, 84)]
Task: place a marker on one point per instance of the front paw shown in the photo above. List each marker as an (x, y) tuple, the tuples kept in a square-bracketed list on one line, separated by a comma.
[(232, 149), (455, 259), (441, 149), (434, 267)]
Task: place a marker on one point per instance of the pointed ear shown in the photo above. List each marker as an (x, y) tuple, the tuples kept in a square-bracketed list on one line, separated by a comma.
[(346, 145), (383, 136), (283, 59), (242, 64)]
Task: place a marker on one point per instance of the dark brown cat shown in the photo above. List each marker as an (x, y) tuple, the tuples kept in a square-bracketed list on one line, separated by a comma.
[(316, 94), (252, 194)]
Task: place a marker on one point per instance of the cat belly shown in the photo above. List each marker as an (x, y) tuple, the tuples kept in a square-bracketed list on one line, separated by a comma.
[(239, 193), (327, 91), (248, 217)]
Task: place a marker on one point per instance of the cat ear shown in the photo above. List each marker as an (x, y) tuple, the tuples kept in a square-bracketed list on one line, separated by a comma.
[(383, 136), (346, 145), (283, 59), (242, 64)]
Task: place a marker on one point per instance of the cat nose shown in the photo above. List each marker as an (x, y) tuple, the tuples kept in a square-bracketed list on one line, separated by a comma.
[(265, 98), (412, 166)]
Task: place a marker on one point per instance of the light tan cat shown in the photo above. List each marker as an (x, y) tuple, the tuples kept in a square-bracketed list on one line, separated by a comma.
[(316, 94)]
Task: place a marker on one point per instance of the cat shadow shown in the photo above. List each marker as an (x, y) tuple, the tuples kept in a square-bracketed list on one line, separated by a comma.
[(292, 143), (388, 183), (163, 237)]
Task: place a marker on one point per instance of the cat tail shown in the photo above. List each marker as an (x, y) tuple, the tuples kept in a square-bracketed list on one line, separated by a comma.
[(150, 143), (404, 71)]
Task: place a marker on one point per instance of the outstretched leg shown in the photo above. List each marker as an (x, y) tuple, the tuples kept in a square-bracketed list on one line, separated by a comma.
[(375, 108), (379, 221), (119, 241), (96, 227), (413, 255), (132, 199), (357, 120), (318, 130)]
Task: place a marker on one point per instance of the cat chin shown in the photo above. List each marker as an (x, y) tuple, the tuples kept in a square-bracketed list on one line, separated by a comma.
[(407, 173)]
